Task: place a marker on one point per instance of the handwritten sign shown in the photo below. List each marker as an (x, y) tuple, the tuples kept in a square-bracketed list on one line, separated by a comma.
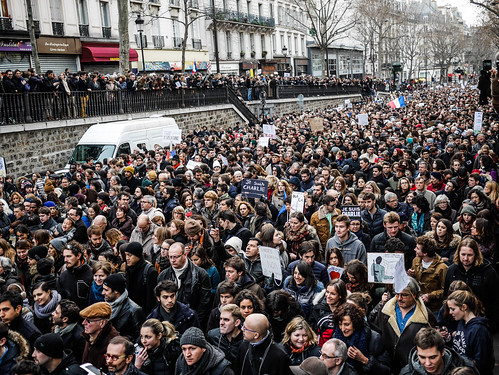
[(173, 136), (363, 119), (334, 272), (269, 131), (297, 201), (353, 212), (477, 126), (263, 141), (191, 164), (255, 188), (271, 262), (317, 124), (381, 267), (3, 168)]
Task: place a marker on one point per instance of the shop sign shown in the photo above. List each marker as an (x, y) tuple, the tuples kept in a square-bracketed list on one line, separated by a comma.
[(61, 46)]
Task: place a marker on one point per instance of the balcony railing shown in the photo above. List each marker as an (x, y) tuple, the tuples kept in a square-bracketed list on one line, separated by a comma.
[(241, 17), (196, 44), (84, 30), (58, 28), (106, 32), (36, 24), (158, 41), (6, 24), (177, 42)]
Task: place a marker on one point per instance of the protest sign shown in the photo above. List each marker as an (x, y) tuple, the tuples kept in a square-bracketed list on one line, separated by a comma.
[(263, 141), (363, 119), (381, 267), (3, 168), (269, 131), (353, 212), (297, 201), (255, 188), (172, 136), (317, 124), (271, 262), (477, 125), (335, 272), (191, 164)]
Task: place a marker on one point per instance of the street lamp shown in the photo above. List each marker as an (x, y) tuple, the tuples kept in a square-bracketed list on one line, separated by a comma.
[(139, 22)]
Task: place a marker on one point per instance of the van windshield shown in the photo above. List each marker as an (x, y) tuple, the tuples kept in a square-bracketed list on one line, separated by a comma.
[(97, 152)]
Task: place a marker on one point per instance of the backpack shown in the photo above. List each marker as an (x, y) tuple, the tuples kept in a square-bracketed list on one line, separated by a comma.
[(146, 272)]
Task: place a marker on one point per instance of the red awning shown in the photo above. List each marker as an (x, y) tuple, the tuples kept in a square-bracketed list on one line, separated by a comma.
[(100, 54)]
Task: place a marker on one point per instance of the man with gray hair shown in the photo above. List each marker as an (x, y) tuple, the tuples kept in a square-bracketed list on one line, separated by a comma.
[(393, 204), (399, 321), (142, 234), (101, 222), (334, 355)]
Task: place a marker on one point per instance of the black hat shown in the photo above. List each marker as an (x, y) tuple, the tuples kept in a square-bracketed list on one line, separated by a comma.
[(116, 282), (50, 344), (38, 252), (135, 248), (194, 336)]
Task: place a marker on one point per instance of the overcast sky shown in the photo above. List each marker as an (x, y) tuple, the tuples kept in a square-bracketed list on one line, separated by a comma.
[(470, 12)]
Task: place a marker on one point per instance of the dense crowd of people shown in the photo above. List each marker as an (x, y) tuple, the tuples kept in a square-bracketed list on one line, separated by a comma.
[(150, 263)]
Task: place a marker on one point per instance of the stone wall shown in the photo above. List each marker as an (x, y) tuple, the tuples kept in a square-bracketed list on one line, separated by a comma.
[(40, 146), (48, 145)]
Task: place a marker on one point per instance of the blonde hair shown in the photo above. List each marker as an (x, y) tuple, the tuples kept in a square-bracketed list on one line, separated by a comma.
[(296, 324), (165, 329), (113, 235)]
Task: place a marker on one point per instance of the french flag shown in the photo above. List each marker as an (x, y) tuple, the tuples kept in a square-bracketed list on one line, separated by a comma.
[(194, 68), (397, 103)]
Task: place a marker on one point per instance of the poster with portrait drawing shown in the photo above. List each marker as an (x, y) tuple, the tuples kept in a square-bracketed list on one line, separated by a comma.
[(381, 267)]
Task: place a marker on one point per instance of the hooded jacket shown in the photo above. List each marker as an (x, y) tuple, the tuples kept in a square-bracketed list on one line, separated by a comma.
[(451, 361), (482, 280), (75, 283), (303, 295), (379, 241), (431, 280), (181, 316), (351, 249), (399, 344), (17, 350), (474, 341), (321, 224)]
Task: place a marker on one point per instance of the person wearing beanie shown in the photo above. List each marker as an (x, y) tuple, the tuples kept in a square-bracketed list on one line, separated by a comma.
[(129, 179), (98, 331), (126, 315), (37, 252), (141, 277), (198, 357), (193, 281), (50, 356)]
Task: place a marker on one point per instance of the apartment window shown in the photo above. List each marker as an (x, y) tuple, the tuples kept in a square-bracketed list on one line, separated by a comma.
[(289, 45), (296, 45), (271, 10), (56, 11), (282, 41), (273, 43), (248, 6), (241, 41), (82, 12), (260, 6), (262, 42), (228, 44), (303, 49), (104, 7), (238, 5), (252, 42), (4, 10)]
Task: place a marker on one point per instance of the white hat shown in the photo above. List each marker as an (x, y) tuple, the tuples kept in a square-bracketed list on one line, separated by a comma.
[(236, 243)]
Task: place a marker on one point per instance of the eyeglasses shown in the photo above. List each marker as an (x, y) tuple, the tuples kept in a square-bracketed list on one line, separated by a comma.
[(175, 256), (325, 356), (165, 248), (244, 328), (114, 358), (403, 295)]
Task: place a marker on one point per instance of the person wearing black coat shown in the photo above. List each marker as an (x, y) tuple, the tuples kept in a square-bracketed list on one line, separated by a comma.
[(141, 277), (195, 284), (74, 283), (16, 348), (50, 354), (126, 315)]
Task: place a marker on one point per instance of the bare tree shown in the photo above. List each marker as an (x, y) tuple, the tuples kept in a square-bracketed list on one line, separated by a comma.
[(327, 20), (490, 6), (411, 41), (446, 42)]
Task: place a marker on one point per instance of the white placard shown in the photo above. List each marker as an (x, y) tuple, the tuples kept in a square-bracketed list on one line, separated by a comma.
[(363, 119), (271, 262), (334, 272), (347, 101), (269, 131), (263, 141), (381, 267), (297, 201), (173, 136), (477, 125), (287, 74), (3, 168), (225, 161), (191, 164)]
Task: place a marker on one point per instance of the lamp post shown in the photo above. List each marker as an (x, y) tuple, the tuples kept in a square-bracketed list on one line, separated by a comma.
[(140, 28), (285, 54)]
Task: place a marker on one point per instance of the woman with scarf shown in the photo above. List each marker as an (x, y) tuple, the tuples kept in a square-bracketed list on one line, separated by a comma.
[(160, 348), (366, 353), (478, 199), (483, 234), (100, 271), (300, 341), (420, 219), (123, 222), (303, 286), (443, 207), (296, 232), (46, 301), (465, 221), (355, 276), (447, 241)]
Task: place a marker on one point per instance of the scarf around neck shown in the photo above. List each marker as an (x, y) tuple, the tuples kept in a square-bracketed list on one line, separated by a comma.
[(45, 311), (117, 305)]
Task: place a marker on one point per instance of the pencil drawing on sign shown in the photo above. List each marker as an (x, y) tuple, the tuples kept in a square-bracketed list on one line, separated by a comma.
[(381, 267)]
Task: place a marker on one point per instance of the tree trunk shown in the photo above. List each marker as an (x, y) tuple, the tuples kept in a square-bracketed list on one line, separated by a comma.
[(380, 48), (323, 59), (186, 32), (32, 36), (124, 37)]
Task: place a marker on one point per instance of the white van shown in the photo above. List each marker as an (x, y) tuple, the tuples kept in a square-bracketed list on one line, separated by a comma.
[(108, 140)]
